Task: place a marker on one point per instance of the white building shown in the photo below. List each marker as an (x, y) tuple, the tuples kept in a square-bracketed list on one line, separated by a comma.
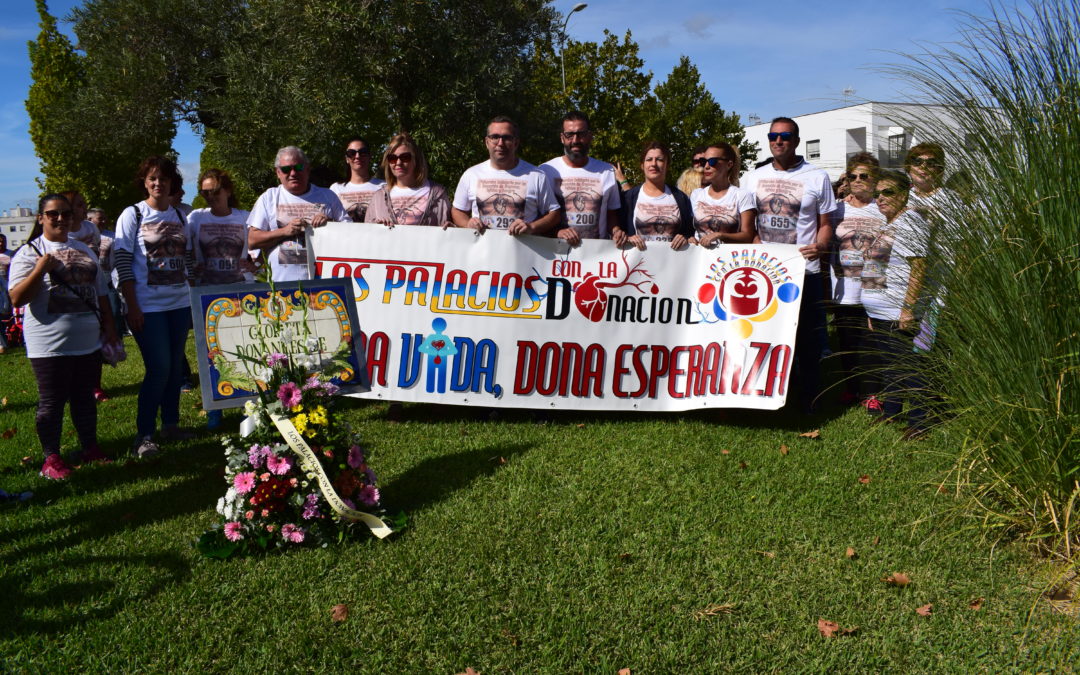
[(886, 130), (15, 224)]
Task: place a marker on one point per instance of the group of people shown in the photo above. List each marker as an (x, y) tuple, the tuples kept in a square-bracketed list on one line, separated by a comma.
[(872, 240)]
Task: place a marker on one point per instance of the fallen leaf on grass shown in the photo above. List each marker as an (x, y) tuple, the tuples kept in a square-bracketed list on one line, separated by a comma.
[(624, 671), (816, 433), (742, 465), (513, 639), (897, 579), (725, 452), (850, 553), (877, 540), (469, 671), (3, 402), (28, 460), (925, 610), (768, 554), (713, 610), (864, 479), (976, 604), (581, 426), (9, 433), (833, 629), (624, 556), (498, 460), (202, 413), (339, 613), (783, 449)]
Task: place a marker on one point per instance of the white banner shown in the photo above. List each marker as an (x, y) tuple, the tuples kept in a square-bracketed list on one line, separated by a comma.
[(448, 316)]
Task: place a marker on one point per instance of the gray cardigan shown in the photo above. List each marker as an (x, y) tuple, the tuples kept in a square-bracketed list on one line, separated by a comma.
[(437, 212)]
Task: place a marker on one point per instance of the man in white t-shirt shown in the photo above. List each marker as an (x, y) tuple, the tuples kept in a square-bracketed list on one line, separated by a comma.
[(278, 220), (585, 186), (505, 192), (794, 201)]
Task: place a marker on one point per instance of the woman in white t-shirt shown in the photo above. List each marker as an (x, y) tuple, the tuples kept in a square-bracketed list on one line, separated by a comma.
[(654, 210), (153, 262), (59, 281), (724, 213), (356, 193), (220, 241), (894, 297), (408, 197)]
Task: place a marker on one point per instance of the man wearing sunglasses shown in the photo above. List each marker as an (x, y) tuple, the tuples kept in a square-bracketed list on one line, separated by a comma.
[(794, 201), (585, 186), (277, 222), (505, 193)]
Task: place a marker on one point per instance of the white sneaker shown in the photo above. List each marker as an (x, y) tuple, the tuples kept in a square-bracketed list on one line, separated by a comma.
[(145, 447)]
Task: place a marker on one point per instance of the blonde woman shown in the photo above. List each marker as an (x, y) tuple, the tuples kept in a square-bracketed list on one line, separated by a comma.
[(409, 197), (724, 213)]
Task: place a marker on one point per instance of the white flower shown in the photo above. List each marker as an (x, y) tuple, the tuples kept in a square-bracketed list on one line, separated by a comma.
[(221, 506), (249, 408)]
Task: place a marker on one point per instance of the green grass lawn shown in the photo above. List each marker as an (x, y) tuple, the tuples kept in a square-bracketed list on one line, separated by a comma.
[(604, 541)]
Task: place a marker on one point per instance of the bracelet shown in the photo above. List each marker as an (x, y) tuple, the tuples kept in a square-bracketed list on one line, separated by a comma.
[(623, 182)]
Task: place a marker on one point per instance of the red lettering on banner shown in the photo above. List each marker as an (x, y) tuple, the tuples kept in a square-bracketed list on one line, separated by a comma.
[(659, 367), (762, 351), (417, 284), (776, 377), (376, 349), (565, 368), (395, 278), (673, 378)]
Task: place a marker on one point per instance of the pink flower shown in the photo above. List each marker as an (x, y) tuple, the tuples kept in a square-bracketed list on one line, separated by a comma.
[(233, 531), (369, 495), (278, 465), (276, 359), (270, 527), (356, 457), (289, 395), (292, 533), (244, 482), (249, 515)]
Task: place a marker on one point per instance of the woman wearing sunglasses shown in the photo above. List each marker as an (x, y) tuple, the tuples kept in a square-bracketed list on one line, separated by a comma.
[(724, 213), (59, 281), (356, 193), (856, 222), (152, 256), (654, 210), (894, 295), (220, 236), (409, 197)]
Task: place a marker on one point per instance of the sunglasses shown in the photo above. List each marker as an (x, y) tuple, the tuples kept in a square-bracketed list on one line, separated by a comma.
[(570, 135), (887, 192), (207, 194), (713, 161), (53, 214), (926, 161), (288, 168), (351, 152), (404, 158), (505, 138), (858, 176), (782, 135), (698, 161)]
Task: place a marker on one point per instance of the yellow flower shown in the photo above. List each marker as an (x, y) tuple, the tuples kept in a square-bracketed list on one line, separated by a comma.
[(297, 408), (300, 422), (318, 416), (310, 432)]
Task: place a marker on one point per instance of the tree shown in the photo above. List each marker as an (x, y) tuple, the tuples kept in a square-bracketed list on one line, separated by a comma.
[(686, 115)]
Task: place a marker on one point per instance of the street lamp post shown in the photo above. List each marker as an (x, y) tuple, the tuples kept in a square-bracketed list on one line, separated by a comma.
[(562, 49)]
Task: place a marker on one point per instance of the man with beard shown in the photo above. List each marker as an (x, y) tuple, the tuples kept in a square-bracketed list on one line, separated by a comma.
[(584, 186), (505, 193), (794, 201), (281, 214)]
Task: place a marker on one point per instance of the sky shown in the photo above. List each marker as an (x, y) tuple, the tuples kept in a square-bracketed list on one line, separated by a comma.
[(791, 57)]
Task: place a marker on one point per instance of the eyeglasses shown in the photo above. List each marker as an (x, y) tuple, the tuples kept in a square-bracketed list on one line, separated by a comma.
[(930, 162), (403, 157), (505, 138), (570, 135), (352, 152), (713, 161), (698, 161), (207, 194), (782, 135), (53, 214), (288, 168), (858, 176), (887, 192)]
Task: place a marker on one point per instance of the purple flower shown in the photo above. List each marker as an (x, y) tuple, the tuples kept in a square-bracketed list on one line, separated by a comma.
[(311, 500), (292, 533), (278, 465), (312, 383), (330, 389), (370, 475), (289, 395), (310, 512), (234, 531), (356, 457), (369, 494), (348, 502), (276, 359), (257, 454), (244, 482)]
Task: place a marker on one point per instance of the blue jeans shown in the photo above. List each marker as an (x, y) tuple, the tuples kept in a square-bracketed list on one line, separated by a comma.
[(161, 342)]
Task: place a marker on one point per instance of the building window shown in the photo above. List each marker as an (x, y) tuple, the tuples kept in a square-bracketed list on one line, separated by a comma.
[(813, 149), (897, 148), (12, 228)]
